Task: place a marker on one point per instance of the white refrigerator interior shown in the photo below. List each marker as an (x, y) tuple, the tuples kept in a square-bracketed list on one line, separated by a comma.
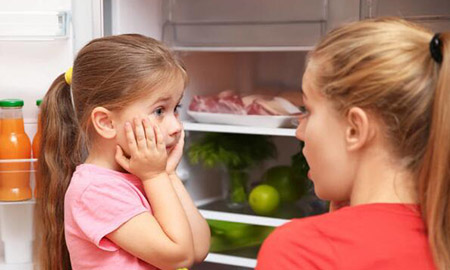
[(35, 46), (252, 46), (37, 43)]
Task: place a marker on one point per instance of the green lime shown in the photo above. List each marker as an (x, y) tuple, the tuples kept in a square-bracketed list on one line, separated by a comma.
[(264, 200)]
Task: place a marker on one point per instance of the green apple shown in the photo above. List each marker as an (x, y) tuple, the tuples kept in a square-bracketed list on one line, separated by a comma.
[(264, 200)]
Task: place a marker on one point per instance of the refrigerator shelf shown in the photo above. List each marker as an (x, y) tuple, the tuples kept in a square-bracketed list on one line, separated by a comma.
[(231, 260), (15, 266), (243, 218), (18, 160), (217, 209), (242, 48), (253, 23), (24, 202), (189, 126)]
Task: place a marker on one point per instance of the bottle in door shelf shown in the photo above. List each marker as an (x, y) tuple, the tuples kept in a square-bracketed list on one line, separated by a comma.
[(14, 144), (36, 150)]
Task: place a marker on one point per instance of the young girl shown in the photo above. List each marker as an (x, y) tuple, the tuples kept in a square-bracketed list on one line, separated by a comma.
[(376, 133), (112, 139)]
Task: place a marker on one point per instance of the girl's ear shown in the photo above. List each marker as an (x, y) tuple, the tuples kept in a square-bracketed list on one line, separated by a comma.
[(360, 130), (102, 122)]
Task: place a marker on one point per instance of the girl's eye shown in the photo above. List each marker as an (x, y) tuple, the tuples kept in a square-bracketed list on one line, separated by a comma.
[(158, 112), (177, 109)]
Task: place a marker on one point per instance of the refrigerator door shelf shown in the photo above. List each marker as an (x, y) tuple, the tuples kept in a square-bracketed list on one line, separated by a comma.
[(15, 266), (17, 235)]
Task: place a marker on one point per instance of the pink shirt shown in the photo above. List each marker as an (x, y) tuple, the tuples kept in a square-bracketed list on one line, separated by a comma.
[(96, 203)]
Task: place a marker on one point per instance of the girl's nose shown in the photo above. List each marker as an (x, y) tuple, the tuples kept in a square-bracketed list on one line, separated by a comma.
[(174, 125)]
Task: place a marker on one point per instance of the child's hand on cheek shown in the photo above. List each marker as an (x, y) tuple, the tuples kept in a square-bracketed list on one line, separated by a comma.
[(175, 155), (147, 150)]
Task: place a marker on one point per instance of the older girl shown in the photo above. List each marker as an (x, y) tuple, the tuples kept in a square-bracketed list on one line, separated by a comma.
[(376, 131)]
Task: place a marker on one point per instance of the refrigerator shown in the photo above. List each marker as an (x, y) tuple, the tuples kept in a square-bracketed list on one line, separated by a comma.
[(247, 46)]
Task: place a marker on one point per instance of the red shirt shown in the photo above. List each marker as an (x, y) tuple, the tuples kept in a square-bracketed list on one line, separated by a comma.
[(378, 236)]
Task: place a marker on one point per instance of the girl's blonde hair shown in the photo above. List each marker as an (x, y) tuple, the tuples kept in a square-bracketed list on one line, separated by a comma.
[(111, 72), (385, 66)]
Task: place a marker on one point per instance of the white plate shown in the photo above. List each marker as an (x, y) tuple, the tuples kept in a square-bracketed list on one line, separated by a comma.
[(270, 121)]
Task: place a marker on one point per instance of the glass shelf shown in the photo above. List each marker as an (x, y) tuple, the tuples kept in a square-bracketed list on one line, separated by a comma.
[(34, 25), (244, 257), (242, 48), (306, 206), (255, 25)]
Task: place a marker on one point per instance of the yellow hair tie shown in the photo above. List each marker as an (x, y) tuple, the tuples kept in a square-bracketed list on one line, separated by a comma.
[(68, 76)]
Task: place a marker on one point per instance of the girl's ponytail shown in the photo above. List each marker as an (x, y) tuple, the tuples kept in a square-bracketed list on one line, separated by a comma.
[(60, 155), (434, 174)]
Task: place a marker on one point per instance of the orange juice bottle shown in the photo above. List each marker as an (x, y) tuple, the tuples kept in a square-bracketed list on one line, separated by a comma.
[(14, 144), (36, 150)]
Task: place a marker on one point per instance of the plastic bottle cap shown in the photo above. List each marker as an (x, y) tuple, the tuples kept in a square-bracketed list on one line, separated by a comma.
[(11, 103), (38, 102)]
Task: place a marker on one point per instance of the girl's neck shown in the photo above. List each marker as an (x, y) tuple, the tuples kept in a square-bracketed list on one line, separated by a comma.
[(380, 179), (102, 154)]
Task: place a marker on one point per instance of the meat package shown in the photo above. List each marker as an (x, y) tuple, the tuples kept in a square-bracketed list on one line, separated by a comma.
[(259, 109)]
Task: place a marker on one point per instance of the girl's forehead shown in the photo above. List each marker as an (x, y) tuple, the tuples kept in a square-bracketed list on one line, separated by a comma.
[(170, 91), (173, 89)]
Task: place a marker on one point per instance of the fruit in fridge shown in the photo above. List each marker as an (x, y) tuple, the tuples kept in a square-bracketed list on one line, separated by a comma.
[(227, 236)]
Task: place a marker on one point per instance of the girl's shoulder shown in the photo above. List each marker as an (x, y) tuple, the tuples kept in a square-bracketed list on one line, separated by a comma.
[(87, 175), (91, 170), (91, 182)]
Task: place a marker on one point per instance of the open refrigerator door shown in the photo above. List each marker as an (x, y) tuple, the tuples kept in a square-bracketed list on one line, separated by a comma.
[(38, 40)]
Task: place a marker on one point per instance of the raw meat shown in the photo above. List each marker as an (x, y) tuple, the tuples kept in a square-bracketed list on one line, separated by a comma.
[(225, 102), (230, 102)]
